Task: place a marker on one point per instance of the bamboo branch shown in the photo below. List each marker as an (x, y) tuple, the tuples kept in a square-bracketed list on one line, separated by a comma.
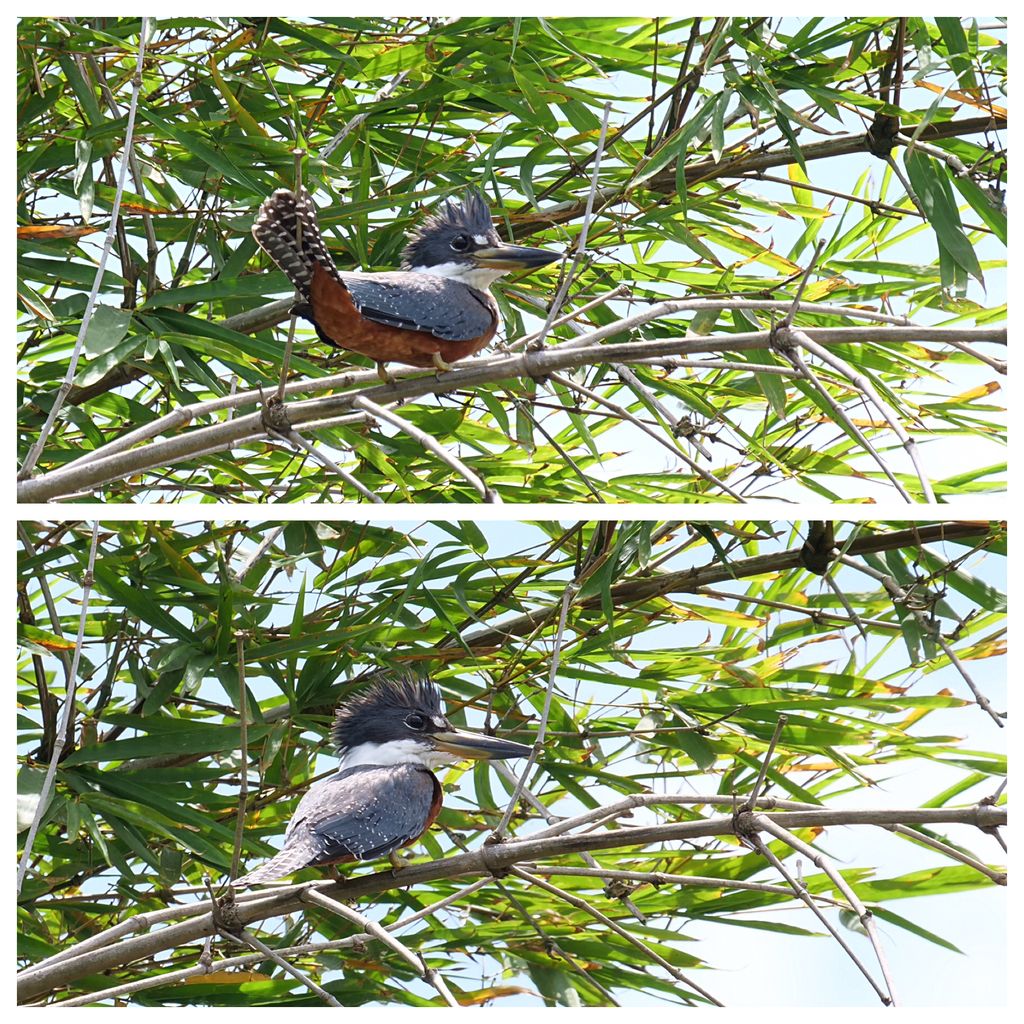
[(581, 904), (864, 385), (104, 468), (58, 402), (901, 597), (800, 890), (570, 591), (243, 744), (485, 861), (376, 931), (691, 581), (429, 443), (65, 714), (248, 939), (765, 824), (756, 160)]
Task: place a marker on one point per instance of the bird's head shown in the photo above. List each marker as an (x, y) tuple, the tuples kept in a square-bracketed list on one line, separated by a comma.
[(400, 719), (458, 241)]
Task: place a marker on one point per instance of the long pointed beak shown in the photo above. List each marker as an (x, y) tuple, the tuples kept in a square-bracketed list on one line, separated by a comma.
[(514, 257), (479, 747)]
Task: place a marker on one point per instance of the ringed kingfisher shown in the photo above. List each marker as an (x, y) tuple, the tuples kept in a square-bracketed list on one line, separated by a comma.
[(384, 795), (435, 310)]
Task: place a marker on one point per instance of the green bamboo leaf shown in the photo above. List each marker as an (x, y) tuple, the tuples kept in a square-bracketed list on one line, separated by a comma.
[(931, 183), (139, 603), (190, 140)]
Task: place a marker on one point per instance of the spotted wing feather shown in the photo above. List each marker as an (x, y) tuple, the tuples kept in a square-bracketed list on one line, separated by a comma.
[(359, 814), (372, 811), (447, 309)]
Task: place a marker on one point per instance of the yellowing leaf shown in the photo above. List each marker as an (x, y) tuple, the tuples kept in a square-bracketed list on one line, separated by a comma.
[(226, 978), (963, 97), (980, 392), (43, 231), (485, 995)]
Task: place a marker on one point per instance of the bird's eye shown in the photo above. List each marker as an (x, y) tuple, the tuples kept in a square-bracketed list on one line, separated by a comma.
[(417, 722), (460, 243)]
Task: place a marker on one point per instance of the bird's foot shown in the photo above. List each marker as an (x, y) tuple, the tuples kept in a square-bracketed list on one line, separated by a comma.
[(382, 372), (396, 861), (442, 366)]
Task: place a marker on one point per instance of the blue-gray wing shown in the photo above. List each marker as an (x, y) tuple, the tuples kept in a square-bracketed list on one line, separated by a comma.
[(366, 812), (447, 309)]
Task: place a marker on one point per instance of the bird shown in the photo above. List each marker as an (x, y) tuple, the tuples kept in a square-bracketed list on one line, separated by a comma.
[(434, 311), (384, 795)]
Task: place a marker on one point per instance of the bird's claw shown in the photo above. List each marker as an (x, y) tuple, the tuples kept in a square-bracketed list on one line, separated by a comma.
[(442, 366)]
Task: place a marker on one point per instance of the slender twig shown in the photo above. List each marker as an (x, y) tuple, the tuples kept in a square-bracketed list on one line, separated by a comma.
[(794, 308), (691, 464), (817, 614), (373, 929), (428, 442), (581, 241), (999, 877), (628, 804), (523, 409), (433, 908), (998, 838), (854, 619), (358, 119), (264, 546), (955, 164), (905, 182), (825, 864), (659, 878), (574, 314), (133, 166), (58, 401), (751, 800), (243, 742), (570, 591), (300, 442), (793, 355), (864, 385), (550, 945), (247, 938), (999, 365), (289, 344), (648, 398), (65, 713), (800, 890), (875, 205), (901, 597), (582, 904)]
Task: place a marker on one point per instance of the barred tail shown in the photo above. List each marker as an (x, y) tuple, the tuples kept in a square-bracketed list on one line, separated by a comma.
[(275, 231), (292, 858)]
